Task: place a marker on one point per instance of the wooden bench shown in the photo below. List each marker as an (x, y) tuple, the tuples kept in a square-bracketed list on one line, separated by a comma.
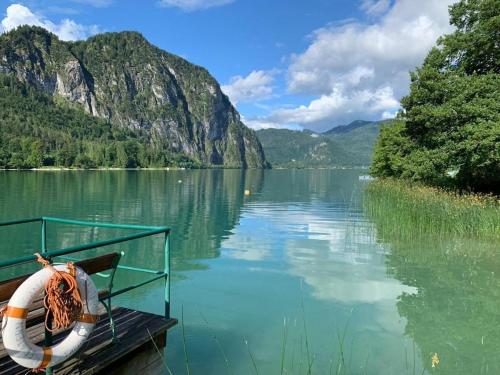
[(91, 266)]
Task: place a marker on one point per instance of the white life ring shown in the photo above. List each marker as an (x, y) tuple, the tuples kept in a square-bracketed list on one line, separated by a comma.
[(15, 341)]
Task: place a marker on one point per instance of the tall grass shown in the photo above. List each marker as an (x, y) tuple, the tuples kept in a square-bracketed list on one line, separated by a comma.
[(283, 345), (254, 364), (410, 210), (221, 348), (300, 359), (162, 357), (310, 360), (188, 370)]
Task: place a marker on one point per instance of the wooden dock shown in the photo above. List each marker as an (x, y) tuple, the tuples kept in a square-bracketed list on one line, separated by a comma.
[(138, 333), (139, 337)]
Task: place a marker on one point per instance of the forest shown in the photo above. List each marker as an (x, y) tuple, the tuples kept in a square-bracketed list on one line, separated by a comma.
[(448, 132), (40, 130)]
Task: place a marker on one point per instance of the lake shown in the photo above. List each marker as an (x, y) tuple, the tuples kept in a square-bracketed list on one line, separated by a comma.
[(293, 276)]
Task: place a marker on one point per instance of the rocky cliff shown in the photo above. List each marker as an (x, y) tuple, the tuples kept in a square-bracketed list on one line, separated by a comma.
[(122, 78)]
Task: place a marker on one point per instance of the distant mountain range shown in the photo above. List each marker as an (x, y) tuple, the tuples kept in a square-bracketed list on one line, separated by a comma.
[(347, 128), (115, 100), (342, 146)]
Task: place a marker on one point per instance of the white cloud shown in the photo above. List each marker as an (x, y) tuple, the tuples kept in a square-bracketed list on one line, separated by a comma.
[(338, 107), (67, 29), (257, 123), (192, 5), (387, 49), (358, 70), (388, 115), (375, 7), (255, 86)]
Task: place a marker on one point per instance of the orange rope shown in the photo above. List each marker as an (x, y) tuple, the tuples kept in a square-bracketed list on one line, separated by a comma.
[(36, 370), (62, 297)]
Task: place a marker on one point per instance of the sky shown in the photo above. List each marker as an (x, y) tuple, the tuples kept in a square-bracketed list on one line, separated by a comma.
[(294, 64)]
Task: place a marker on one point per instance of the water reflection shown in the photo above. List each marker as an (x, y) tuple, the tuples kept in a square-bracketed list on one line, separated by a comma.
[(455, 310), (331, 247), (307, 226), (201, 206)]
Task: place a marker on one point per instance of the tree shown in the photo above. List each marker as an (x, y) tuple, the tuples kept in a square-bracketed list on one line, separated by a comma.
[(131, 149), (35, 158), (450, 129), (84, 161)]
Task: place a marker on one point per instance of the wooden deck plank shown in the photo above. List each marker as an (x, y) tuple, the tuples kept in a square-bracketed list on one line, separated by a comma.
[(99, 352)]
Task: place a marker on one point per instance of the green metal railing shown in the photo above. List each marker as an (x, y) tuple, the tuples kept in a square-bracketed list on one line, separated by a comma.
[(51, 254)]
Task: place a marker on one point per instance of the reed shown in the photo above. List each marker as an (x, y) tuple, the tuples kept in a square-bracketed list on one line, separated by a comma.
[(283, 345), (188, 370), (399, 208), (254, 364), (310, 360), (219, 344), (162, 357), (300, 359)]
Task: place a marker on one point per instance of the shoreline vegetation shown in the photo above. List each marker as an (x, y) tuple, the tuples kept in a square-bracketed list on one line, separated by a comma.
[(438, 163), (404, 209), (52, 169), (61, 168)]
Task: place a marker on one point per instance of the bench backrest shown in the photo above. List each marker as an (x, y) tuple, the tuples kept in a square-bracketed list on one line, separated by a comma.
[(90, 266)]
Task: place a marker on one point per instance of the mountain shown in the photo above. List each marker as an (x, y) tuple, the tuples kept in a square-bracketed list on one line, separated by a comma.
[(348, 146), (358, 138), (165, 107), (347, 128)]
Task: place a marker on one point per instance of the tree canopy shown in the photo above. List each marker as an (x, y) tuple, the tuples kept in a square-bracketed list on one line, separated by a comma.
[(448, 132)]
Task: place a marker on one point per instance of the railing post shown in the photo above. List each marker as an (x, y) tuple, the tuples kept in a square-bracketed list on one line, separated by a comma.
[(167, 274), (44, 236), (48, 334)]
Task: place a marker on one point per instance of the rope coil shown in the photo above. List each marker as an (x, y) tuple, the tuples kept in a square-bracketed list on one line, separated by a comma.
[(62, 297), (63, 304)]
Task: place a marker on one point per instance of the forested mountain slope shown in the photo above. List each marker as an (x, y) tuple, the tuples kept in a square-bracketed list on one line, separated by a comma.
[(166, 107), (343, 146)]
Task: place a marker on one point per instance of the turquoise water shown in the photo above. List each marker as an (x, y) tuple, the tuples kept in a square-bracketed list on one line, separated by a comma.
[(292, 277)]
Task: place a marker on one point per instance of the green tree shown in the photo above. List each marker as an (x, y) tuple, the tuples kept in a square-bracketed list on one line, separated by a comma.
[(16, 161), (449, 132), (35, 158), (121, 156), (84, 161), (67, 155), (131, 149)]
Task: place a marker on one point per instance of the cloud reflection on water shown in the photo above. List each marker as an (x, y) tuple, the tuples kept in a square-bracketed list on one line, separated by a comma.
[(333, 250)]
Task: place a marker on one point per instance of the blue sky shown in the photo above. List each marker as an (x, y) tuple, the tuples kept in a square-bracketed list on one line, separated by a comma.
[(284, 63)]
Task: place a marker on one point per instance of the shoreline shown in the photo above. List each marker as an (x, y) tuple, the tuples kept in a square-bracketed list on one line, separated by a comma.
[(66, 169)]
